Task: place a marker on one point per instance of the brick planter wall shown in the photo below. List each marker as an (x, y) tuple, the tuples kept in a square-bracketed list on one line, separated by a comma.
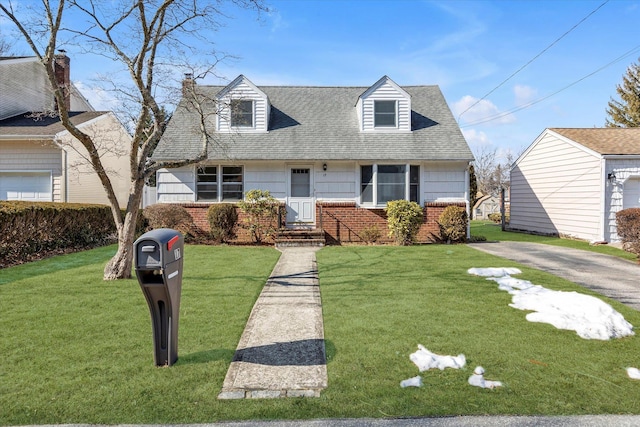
[(342, 222), (198, 212)]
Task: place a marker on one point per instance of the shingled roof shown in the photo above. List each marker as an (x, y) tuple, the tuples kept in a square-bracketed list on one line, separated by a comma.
[(321, 123), (605, 141), (36, 125)]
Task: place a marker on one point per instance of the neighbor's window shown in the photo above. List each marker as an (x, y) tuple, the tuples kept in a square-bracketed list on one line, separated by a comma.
[(380, 184), (241, 113), (384, 113), (220, 183)]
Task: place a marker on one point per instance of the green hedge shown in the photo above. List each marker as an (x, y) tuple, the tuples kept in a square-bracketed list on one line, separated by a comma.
[(30, 230)]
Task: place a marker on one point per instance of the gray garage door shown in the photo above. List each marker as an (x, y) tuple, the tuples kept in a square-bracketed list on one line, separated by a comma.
[(631, 193), (29, 186)]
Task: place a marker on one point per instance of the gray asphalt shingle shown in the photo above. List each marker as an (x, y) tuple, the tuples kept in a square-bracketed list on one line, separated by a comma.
[(321, 123)]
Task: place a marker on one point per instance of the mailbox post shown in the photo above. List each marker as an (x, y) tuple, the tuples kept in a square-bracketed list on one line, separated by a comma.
[(158, 265)]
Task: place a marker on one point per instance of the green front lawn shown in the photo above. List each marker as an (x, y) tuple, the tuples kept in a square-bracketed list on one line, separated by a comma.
[(493, 232), (76, 349)]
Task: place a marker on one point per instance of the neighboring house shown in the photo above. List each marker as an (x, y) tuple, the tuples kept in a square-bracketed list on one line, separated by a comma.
[(571, 182), (488, 204), (39, 160), (334, 156)]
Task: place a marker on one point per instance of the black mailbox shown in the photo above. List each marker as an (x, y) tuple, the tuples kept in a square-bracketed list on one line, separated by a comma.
[(158, 265)]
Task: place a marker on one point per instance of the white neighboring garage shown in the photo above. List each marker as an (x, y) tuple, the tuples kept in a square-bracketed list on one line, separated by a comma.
[(40, 161), (571, 182), (33, 186)]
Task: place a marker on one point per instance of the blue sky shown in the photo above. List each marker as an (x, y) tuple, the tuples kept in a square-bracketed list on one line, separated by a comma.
[(469, 48)]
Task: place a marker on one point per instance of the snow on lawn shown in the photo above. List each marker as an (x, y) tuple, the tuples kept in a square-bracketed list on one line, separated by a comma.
[(589, 316), (425, 360)]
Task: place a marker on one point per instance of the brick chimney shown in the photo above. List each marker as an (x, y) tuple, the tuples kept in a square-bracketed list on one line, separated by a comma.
[(61, 67), (188, 84)]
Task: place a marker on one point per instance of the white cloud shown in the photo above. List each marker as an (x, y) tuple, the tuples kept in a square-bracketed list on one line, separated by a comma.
[(472, 110), (524, 94), (99, 99), (476, 138)]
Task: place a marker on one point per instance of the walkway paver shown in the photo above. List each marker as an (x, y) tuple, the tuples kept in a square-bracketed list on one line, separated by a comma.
[(281, 352)]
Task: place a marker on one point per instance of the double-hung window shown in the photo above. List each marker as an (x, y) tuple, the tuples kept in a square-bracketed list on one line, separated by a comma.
[(384, 114), (241, 113), (380, 184), (220, 183)]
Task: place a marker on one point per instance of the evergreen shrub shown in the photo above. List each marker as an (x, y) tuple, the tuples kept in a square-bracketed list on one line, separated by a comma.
[(404, 219), (453, 224), (223, 221)]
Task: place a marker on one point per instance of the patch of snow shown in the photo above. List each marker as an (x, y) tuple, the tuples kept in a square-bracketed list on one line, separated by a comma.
[(412, 382), (634, 373), (477, 379), (589, 316), (425, 360), (494, 271)]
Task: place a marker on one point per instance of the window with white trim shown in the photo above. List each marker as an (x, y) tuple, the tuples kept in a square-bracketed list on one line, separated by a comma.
[(384, 114), (220, 183), (380, 184), (241, 113)]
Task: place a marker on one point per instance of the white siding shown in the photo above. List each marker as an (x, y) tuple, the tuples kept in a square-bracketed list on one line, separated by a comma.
[(627, 172), (244, 91), (556, 187), (112, 143), (176, 185), (444, 182), (271, 177), (385, 92), (337, 183), (24, 156)]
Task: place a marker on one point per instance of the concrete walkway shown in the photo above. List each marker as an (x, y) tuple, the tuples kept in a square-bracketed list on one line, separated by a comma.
[(610, 276), (281, 352)]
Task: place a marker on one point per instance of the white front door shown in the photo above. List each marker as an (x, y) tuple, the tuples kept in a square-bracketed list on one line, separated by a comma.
[(300, 203)]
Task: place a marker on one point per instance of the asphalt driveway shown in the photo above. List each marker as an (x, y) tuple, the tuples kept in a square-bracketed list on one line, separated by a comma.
[(613, 277)]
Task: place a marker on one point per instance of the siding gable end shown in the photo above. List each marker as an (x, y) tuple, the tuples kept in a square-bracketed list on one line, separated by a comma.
[(384, 89), (243, 89)]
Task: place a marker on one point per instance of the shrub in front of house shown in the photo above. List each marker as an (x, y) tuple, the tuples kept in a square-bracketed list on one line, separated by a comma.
[(404, 219), (495, 217), (628, 225), (260, 211), (223, 221), (370, 234), (34, 230), (453, 224), (167, 215)]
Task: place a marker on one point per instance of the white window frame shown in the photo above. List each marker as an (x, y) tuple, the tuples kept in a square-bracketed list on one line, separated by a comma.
[(395, 114), (231, 114), (374, 182), (220, 174)]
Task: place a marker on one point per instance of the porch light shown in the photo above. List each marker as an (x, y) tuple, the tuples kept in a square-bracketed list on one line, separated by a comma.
[(611, 177), (324, 167)]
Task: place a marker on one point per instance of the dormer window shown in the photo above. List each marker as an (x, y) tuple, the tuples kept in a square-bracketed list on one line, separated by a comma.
[(384, 114), (241, 113)]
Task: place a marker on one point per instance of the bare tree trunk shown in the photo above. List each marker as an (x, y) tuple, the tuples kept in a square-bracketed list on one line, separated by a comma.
[(119, 267)]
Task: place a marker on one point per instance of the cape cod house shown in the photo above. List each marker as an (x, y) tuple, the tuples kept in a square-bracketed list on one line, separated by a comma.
[(333, 155), (39, 159), (572, 181)]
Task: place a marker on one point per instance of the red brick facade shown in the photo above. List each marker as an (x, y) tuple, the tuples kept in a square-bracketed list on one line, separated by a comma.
[(342, 222)]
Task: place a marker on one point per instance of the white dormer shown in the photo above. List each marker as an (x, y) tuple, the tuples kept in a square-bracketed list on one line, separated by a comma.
[(384, 107), (243, 107)]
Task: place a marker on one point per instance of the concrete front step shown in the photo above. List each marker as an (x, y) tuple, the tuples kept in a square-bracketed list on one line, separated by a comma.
[(288, 243), (291, 238)]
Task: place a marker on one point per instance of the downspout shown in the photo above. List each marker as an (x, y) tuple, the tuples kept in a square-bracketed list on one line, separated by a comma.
[(467, 190), (603, 198)]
